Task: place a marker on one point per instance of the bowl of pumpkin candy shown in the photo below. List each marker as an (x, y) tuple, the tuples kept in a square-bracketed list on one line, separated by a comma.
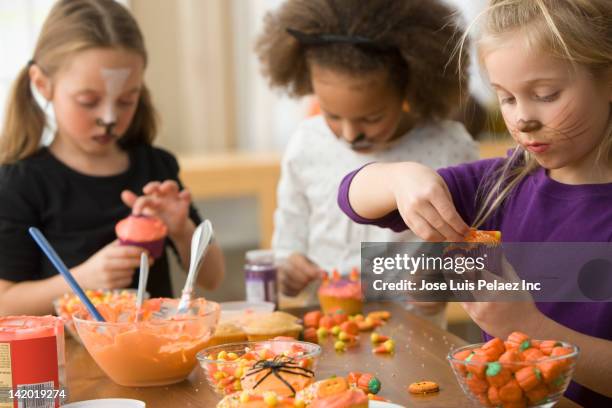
[(282, 365), (518, 372)]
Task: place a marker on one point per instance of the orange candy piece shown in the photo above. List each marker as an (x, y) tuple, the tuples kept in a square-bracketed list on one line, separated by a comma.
[(311, 319), (339, 317), (310, 335), (518, 339), (493, 395), (478, 365), (350, 327), (547, 346), (537, 394), (494, 347), (476, 385), (326, 322), (479, 236), (380, 315), (510, 360), (528, 378), (510, 392), (532, 354)]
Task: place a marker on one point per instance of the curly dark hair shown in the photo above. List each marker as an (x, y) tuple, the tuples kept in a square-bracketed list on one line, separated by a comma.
[(417, 38)]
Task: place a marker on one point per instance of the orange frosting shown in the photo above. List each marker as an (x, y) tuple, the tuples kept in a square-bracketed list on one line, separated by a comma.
[(341, 287), (489, 237), (352, 398), (151, 351), (141, 228)]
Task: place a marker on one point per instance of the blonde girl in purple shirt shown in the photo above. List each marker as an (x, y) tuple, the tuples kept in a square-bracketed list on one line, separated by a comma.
[(550, 63)]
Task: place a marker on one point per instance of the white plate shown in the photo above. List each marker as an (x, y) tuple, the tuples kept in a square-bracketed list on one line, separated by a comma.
[(382, 404), (107, 403)]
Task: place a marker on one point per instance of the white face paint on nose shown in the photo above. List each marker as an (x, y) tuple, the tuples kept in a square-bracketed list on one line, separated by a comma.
[(114, 80)]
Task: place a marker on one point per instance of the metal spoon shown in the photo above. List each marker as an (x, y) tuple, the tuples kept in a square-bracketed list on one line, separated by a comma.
[(142, 282), (200, 240)]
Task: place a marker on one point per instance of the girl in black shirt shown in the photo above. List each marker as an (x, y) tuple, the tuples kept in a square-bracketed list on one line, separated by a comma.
[(89, 63)]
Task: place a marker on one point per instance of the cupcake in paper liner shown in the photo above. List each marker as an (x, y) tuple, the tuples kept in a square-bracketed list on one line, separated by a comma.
[(485, 245), (145, 231)]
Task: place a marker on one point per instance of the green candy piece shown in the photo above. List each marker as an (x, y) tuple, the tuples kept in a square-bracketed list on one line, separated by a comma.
[(468, 358), (558, 382), (525, 345), (538, 373), (493, 369), (374, 385)]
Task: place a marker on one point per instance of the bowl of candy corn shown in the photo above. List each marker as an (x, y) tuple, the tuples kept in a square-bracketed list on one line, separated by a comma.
[(519, 371), (240, 366), (69, 304)]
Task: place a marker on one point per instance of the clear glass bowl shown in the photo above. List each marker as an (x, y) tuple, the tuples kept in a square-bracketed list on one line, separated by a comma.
[(68, 304), (151, 352), (543, 391), (223, 374)]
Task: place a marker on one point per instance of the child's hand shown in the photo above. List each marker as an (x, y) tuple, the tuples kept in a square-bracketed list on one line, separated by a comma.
[(164, 200), (112, 267), (425, 204), (296, 273), (500, 318)]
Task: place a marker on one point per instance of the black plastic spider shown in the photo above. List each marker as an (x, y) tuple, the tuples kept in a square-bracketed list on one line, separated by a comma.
[(280, 364)]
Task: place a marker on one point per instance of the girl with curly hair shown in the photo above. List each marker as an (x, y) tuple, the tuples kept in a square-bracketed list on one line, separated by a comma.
[(387, 82)]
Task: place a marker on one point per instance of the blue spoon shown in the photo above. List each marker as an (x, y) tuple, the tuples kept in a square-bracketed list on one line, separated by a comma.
[(46, 247)]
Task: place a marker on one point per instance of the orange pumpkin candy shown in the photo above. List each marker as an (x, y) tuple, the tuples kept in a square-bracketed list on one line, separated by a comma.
[(532, 354), (311, 319), (497, 375), (528, 377), (510, 392), (510, 360), (547, 346), (495, 347), (475, 384)]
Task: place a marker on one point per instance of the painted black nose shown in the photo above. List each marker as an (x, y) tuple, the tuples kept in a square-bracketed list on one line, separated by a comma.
[(108, 127), (360, 138), (527, 126)]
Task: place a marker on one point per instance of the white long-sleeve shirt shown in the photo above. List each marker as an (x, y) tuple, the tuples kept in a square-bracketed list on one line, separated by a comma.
[(308, 219)]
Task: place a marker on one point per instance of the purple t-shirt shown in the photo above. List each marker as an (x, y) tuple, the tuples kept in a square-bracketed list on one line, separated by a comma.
[(539, 209)]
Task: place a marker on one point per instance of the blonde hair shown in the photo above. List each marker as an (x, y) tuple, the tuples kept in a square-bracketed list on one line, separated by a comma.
[(73, 26), (577, 31)]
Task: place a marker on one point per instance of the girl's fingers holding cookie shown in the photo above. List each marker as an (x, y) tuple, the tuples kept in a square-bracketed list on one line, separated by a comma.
[(151, 187)]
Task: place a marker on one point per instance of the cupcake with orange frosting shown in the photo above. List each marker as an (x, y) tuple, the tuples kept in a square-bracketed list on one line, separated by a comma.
[(340, 293), (254, 399), (483, 237), (333, 392), (144, 231)]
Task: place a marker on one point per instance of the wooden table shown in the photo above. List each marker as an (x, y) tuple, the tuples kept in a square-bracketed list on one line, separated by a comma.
[(420, 355)]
